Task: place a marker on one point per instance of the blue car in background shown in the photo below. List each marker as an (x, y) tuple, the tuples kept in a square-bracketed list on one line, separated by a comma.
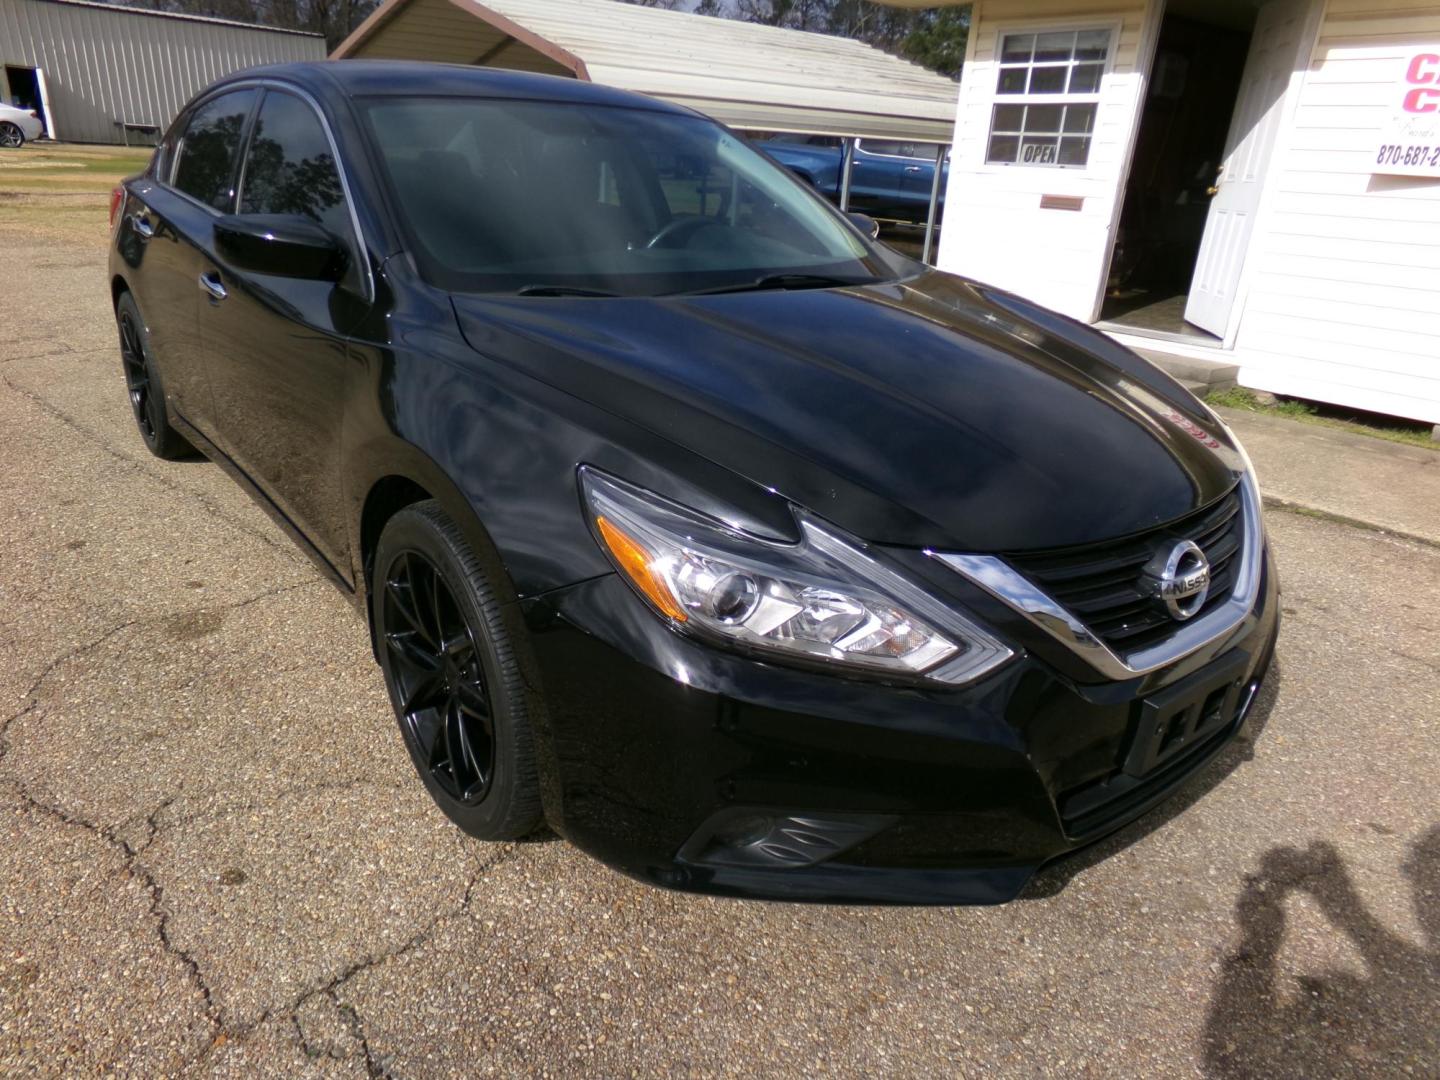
[(890, 178)]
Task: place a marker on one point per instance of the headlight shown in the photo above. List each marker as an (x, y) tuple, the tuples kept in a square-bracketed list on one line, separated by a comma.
[(824, 599)]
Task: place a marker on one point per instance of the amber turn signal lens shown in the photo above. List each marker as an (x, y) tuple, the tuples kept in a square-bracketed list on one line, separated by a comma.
[(635, 561)]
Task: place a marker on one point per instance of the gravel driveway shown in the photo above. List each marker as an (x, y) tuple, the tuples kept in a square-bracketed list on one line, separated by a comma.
[(215, 858)]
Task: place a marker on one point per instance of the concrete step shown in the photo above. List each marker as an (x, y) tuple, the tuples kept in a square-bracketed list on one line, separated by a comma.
[(1213, 374), (1199, 389)]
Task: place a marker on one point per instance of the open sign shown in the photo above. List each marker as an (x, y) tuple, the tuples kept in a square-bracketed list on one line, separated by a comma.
[(1038, 154)]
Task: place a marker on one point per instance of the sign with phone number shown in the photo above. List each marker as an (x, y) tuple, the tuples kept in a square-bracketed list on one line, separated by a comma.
[(1410, 143), (1408, 157)]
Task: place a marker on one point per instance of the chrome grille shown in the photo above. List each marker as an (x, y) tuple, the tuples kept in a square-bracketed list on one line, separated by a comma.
[(1101, 583)]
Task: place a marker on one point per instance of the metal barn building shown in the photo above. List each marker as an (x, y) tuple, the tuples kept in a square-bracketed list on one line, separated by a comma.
[(753, 77), (105, 74)]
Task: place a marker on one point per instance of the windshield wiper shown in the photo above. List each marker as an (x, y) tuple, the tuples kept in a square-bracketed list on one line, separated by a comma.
[(561, 290), (781, 281)]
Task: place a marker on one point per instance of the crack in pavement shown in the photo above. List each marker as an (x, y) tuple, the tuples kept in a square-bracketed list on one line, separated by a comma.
[(29, 696), (374, 1066), (377, 1065), (283, 794), (63, 350), (137, 465), (134, 866), (130, 856), (46, 672)]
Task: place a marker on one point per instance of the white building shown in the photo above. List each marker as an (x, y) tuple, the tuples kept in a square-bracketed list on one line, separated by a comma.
[(1253, 181)]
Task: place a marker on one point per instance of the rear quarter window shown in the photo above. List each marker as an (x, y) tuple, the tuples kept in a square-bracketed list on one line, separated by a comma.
[(207, 153)]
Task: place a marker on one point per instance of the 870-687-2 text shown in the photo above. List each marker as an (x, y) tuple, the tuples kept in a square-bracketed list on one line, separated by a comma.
[(1394, 154)]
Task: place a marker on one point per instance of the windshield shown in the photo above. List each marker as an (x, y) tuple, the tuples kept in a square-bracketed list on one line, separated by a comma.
[(503, 196)]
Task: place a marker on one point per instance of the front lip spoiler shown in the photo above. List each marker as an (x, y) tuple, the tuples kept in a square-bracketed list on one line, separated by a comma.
[(1008, 585)]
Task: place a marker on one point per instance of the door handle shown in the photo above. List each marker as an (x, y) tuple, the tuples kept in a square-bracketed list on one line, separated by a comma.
[(142, 225), (912, 168), (211, 284)]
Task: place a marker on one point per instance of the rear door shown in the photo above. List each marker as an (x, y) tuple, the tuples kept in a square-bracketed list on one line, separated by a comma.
[(169, 218), (893, 177), (275, 346)]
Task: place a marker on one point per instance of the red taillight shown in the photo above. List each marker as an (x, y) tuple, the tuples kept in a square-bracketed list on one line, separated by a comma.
[(116, 198)]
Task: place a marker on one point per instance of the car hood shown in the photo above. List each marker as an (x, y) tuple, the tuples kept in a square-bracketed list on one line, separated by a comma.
[(933, 412)]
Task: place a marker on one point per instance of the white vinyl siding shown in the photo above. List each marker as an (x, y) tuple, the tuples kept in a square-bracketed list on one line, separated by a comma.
[(1343, 298), (998, 231)]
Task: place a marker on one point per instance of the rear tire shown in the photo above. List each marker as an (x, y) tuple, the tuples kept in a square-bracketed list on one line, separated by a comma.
[(143, 386), (452, 675), (11, 137)]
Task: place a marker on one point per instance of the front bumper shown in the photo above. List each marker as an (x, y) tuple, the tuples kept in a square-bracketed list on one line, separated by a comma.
[(698, 769)]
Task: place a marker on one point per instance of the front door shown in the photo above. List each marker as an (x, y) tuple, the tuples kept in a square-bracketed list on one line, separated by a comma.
[(1274, 52), (274, 346)]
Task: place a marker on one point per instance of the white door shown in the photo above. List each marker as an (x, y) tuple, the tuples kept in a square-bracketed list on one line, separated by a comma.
[(45, 103), (1274, 52)]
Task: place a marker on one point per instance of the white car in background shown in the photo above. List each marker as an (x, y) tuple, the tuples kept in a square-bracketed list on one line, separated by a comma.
[(18, 126)]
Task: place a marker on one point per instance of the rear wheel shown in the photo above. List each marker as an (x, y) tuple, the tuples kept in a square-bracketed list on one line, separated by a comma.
[(10, 135), (452, 676), (143, 386)]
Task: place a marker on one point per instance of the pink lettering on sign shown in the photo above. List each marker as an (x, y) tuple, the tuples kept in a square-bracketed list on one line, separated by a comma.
[(1422, 100), (1424, 68)]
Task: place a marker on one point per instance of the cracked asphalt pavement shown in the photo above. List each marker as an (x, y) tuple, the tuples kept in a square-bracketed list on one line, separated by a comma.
[(215, 858)]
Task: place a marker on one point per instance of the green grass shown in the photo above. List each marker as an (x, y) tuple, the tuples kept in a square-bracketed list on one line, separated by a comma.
[(1331, 416), (58, 191), (59, 167)]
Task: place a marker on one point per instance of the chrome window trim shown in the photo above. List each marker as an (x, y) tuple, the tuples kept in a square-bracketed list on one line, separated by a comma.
[(861, 148), (1008, 585)]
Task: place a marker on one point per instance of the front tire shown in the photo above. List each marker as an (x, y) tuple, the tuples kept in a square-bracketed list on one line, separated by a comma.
[(452, 675), (11, 137), (143, 386)]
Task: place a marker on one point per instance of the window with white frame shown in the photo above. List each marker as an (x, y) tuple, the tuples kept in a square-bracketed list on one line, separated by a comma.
[(1047, 94)]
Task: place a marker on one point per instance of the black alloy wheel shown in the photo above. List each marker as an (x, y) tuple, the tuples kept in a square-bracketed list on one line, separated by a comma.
[(143, 386), (448, 654), (11, 137), (137, 377), (439, 678)]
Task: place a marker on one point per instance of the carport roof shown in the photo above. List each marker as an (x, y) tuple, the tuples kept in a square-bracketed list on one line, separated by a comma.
[(747, 75)]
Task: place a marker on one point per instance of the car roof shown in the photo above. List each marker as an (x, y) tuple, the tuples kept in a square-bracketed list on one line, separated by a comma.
[(409, 78)]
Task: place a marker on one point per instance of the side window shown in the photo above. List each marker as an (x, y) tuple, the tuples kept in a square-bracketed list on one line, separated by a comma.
[(205, 161), (893, 148), (1047, 97), (289, 168)]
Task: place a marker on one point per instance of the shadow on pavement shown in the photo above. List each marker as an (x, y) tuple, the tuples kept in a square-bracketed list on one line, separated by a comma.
[(1053, 877), (1386, 1022)]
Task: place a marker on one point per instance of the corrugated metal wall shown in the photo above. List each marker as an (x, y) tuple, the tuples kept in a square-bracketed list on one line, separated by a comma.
[(104, 63)]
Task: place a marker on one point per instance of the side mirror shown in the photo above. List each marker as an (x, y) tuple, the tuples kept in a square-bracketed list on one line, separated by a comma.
[(866, 224), (285, 245)]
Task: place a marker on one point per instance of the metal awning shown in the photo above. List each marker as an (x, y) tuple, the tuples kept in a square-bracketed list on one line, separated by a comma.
[(754, 77)]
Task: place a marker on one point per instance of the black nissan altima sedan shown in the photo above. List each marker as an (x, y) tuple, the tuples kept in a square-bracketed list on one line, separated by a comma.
[(751, 556)]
